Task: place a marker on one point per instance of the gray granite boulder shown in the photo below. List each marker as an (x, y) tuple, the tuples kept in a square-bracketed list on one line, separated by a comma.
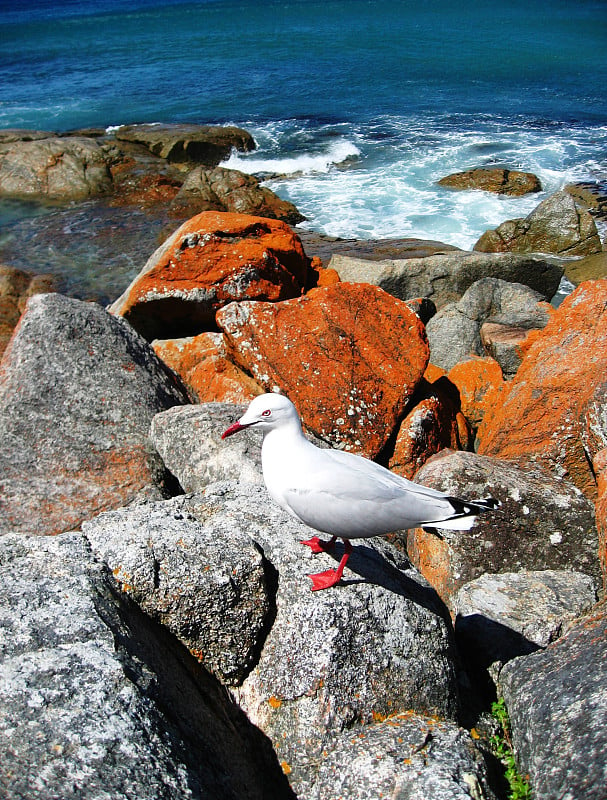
[(189, 440), (557, 702), (501, 616), (558, 225), (377, 644), (445, 277), (98, 702), (544, 522), (455, 331), (406, 756), (78, 390), (210, 594), (70, 168)]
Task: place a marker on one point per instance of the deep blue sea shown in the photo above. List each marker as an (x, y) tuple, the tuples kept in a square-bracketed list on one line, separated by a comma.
[(363, 103)]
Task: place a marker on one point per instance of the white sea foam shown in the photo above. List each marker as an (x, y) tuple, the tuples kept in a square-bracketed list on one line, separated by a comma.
[(392, 189), (337, 153)]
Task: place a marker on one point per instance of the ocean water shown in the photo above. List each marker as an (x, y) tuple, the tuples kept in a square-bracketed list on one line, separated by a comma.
[(360, 106)]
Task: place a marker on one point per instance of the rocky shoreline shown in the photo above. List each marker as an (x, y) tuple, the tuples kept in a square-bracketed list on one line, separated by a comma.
[(160, 638)]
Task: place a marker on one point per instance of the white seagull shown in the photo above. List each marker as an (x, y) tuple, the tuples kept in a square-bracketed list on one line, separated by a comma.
[(340, 493)]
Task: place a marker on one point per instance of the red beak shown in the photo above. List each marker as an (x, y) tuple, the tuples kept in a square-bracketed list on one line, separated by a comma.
[(233, 429)]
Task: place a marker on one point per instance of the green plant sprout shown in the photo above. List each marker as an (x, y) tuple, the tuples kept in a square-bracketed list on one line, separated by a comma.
[(501, 744)]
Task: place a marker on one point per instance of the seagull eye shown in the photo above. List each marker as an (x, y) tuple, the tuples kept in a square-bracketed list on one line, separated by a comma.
[(266, 413)]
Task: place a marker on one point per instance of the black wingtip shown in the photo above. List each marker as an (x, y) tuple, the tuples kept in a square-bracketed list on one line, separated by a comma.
[(466, 508)]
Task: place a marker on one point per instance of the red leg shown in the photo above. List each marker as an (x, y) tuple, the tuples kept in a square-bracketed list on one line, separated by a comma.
[(318, 546), (324, 580)]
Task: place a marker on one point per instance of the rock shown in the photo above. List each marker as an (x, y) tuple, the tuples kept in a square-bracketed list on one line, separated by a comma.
[(202, 363), (189, 440), (477, 379), (454, 332), (324, 247), (423, 307), (349, 356), (96, 701), (434, 422), (211, 260), (147, 191), (540, 414), (221, 189), (589, 268), (78, 389), (11, 135), (544, 522), (211, 595), (73, 168), (500, 617), (333, 660), (505, 343), (594, 421), (557, 702), (407, 755), (182, 143), (557, 226), (599, 464), (16, 286), (494, 179), (591, 195), (444, 278)]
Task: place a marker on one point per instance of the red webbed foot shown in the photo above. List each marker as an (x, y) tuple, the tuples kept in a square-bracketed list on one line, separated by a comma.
[(316, 545), (324, 580)]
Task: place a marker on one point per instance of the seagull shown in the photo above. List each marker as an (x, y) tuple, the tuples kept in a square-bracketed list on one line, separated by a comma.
[(340, 493)]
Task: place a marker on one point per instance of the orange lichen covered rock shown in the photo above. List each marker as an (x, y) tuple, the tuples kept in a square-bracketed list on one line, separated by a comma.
[(541, 413), (434, 423), (201, 362), (211, 260), (348, 355), (478, 380)]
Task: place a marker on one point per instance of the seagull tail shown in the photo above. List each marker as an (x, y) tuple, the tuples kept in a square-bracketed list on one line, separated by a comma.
[(464, 514)]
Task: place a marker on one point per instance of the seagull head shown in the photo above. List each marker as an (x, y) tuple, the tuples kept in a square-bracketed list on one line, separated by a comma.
[(266, 412)]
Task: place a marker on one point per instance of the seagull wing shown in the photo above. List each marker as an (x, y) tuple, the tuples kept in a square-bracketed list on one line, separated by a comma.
[(346, 495)]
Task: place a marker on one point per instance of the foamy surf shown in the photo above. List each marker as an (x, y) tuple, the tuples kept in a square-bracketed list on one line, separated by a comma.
[(337, 154)]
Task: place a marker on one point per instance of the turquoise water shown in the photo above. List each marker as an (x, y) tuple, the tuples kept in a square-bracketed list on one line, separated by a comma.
[(364, 105)]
